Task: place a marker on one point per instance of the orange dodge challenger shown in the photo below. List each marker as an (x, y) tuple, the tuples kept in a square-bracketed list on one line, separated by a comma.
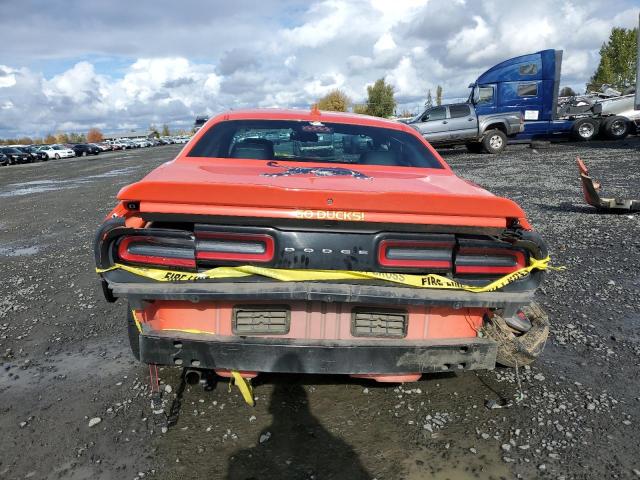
[(317, 242)]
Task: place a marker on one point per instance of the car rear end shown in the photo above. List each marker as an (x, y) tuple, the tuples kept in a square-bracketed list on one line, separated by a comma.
[(371, 283)]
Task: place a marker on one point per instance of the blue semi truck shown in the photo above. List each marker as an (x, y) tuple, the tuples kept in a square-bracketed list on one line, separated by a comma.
[(517, 101), (530, 84)]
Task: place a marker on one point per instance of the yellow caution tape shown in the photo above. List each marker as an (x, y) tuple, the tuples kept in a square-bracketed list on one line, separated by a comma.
[(285, 275), (244, 386), (137, 322)]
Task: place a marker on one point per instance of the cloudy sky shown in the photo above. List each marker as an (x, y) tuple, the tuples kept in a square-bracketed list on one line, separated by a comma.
[(71, 65)]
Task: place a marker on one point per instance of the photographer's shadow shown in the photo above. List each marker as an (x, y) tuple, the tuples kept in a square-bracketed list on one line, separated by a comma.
[(298, 446)]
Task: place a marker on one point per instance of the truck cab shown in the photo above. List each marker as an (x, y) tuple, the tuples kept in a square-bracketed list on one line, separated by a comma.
[(445, 123), (528, 84)]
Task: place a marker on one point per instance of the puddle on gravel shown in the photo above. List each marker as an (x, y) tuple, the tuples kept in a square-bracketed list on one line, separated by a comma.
[(459, 465), (41, 186), (19, 252), (107, 360)]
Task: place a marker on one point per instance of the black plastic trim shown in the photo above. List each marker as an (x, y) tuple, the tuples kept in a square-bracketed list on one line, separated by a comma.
[(319, 357)]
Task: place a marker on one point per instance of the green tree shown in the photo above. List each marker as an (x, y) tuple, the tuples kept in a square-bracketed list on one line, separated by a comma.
[(618, 58), (62, 138), (429, 101), (360, 108), (76, 138), (380, 101), (165, 130), (438, 95), (567, 92), (335, 101)]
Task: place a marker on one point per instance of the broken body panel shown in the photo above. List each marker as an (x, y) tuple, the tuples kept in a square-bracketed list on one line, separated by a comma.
[(591, 190)]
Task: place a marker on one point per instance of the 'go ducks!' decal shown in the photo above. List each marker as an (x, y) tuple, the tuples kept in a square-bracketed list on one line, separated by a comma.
[(315, 171)]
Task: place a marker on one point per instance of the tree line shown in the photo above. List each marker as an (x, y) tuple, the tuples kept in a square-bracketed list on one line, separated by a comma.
[(93, 135)]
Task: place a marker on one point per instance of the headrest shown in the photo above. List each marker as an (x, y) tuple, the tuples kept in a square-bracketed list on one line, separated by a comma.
[(258, 148), (379, 157)]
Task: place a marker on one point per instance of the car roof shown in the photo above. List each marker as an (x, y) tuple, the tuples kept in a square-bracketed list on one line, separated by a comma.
[(308, 115)]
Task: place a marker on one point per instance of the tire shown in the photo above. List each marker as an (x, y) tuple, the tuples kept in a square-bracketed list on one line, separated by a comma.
[(57, 155), (584, 129), (516, 349), (494, 141), (616, 128), (133, 334), (84, 154), (474, 147)]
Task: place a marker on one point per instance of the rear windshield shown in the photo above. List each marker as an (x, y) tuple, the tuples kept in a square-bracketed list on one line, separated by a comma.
[(11, 150), (303, 141)]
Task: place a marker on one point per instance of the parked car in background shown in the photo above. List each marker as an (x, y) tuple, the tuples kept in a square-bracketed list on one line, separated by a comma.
[(141, 142), (58, 151), (84, 149), (35, 154), (104, 147), (4, 160), (15, 155)]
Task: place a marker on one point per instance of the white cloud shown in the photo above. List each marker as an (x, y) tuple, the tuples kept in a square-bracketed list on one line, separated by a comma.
[(327, 20), (286, 54), (7, 78), (384, 44)]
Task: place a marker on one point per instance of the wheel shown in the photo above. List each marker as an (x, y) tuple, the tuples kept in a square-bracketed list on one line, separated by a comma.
[(57, 155), (133, 334), (494, 141), (516, 348), (616, 128), (584, 129), (84, 154), (474, 147)]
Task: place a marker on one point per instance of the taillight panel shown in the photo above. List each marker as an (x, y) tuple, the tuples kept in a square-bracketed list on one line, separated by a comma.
[(448, 254), (235, 247), (482, 257), (152, 250), (426, 254), (208, 246)]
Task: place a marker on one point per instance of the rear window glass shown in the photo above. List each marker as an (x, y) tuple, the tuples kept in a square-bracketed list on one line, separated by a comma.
[(527, 89), (313, 142), (458, 111)]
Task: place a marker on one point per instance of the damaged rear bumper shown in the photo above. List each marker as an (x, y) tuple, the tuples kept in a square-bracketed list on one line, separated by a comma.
[(138, 293), (319, 357)]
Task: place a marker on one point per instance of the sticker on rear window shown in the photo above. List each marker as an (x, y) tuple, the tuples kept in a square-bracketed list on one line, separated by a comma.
[(315, 172)]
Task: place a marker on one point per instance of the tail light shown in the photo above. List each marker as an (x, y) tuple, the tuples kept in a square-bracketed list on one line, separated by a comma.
[(488, 261), (433, 253), (148, 250), (234, 247), (446, 253)]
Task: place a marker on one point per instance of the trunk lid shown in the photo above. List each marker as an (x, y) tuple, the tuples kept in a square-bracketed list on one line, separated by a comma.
[(236, 185)]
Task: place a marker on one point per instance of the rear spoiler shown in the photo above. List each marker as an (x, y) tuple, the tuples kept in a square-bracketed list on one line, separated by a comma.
[(591, 189)]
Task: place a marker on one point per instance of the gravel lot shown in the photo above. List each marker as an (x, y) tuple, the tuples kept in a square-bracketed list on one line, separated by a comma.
[(75, 405)]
